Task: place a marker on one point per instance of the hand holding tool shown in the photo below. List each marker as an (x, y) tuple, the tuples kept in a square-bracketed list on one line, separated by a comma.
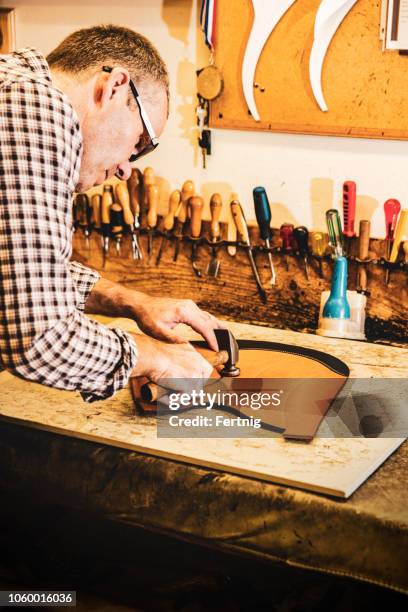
[(195, 205), (286, 234), (363, 246), (152, 193), (391, 210), (400, 232), (301, 236), (168, 221), (349, 212), (215, 233), (187, 191), (335, 231), (263, 217), (243, 236), (107, 201), (318, 249)]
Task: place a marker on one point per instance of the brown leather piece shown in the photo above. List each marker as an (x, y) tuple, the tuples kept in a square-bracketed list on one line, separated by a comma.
[(308, 381)]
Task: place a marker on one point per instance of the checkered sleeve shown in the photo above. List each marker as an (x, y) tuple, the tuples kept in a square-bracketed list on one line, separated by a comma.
[(44, 337), (84, 279)]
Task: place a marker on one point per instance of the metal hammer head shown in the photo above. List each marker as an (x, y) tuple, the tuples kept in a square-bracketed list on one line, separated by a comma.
[(227, 342)]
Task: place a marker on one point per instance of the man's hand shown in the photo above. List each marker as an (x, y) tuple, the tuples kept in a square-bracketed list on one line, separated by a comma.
[(156, 316), (158, 360)]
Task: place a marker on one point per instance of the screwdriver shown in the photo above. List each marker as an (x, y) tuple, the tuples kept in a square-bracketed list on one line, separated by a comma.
[(286, 234), (318, 249), (152, 198), (363, 246), (168, 221), (243, 236), (107, 201), (195, 207), (349, 213), (335, 231), (391, 210), (263, 217), (400, 232), (301, 236)]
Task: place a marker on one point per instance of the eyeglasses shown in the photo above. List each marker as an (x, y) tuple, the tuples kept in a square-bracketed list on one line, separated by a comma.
[(143, 147)]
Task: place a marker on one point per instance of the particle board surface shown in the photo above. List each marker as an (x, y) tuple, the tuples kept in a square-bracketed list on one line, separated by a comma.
[(335, 466)]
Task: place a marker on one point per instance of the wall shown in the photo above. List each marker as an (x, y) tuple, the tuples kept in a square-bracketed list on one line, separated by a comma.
[(303, 174)]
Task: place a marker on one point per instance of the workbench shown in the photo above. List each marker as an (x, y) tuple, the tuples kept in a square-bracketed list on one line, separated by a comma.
[(47, 450)]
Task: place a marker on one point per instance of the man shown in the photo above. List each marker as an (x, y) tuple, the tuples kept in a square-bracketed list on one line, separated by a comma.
[(65, 125)]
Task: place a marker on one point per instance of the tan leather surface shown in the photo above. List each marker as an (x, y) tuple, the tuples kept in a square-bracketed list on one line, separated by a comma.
[(303, 404)]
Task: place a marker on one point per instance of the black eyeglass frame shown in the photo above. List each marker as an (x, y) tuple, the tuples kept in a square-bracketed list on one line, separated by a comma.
[(154, 141)]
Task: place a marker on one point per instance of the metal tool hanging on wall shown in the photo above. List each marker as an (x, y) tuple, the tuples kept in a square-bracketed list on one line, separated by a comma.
[(329, 16), (267, 15)]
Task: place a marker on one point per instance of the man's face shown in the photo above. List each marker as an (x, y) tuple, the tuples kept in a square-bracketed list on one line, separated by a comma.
[(111, 128)]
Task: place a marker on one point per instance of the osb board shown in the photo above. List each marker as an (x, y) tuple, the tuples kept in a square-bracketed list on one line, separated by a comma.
[(366, 90), (332, 466)]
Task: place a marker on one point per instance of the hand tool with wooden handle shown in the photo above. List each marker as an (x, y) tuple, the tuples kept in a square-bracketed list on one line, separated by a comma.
[(117, 223), (391, 210), (168, 221), (152, 193), (134, 185), (83, 214), (405, 249), (318, 249), (301, 236), (286, 234), (96, 221), (107, 201), (195, 206), (243, 236), (187, 191), (148, 179), (335, 231), (232, 229), (363, 246), (401, 231), (349, 213), (215, 233), (263, 217), (122, 197)]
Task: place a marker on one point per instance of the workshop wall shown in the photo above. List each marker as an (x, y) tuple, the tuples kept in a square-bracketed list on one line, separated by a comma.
[(302, 174)]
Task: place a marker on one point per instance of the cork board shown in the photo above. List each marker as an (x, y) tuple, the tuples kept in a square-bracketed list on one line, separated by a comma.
[(366, 90)]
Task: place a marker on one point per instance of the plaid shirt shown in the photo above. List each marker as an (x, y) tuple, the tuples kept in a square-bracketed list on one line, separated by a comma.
[(44, 335)]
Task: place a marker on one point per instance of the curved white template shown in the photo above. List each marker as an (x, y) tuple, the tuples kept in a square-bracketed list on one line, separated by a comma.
[(328, 19), (267, 14)]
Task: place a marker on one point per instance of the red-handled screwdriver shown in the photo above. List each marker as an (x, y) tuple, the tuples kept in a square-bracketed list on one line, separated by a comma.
[(286, 234), (349, 212), (391, 210)]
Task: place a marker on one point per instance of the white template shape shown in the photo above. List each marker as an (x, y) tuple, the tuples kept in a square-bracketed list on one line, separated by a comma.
[(267, 14), (328, 19)]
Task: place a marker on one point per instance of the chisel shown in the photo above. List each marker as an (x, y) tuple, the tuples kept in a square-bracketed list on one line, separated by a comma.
[(195, 207), (107, 201), (148, 179), (215, 233), (401, 232), (363, 246), (243, 236), (96, 205), (122, 197), (134, 185), (187, 191), (318, 249), (232, 229), (263, 217), (335, 231), (117, 224), (349, 213), (152, 198), (168, 221), (301, 236), (286, 234), (83, 216), (391, 210)]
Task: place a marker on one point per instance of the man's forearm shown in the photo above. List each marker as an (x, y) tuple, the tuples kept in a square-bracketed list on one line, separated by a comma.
[(112, 299)]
